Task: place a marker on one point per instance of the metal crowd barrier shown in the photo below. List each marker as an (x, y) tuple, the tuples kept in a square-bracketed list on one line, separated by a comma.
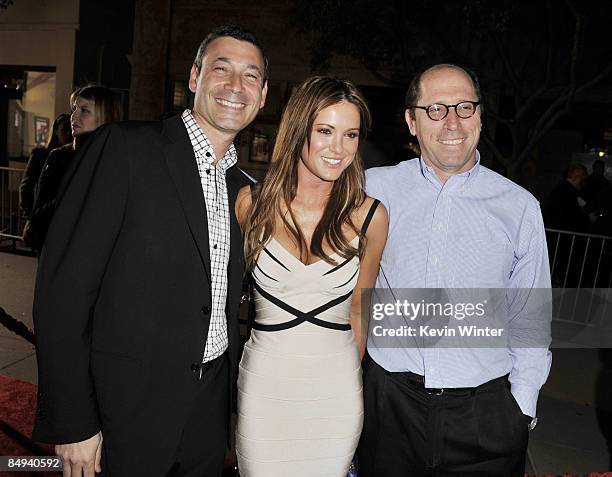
[(581, 272), (11, 221), (579, 260)]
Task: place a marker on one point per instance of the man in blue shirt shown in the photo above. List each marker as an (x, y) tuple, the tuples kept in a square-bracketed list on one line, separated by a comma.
[(454, 224)]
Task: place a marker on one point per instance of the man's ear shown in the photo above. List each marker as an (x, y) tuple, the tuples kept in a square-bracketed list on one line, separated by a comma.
[(410, 121), (264, 93), (193, 78)]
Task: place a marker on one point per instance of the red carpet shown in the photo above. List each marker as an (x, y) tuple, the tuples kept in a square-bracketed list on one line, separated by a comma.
[(17, 407), (592, 474)]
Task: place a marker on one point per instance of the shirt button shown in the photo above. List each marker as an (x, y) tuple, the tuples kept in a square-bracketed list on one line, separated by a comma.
[(215, 246), (434, 259), (208, 154), (205, 310)]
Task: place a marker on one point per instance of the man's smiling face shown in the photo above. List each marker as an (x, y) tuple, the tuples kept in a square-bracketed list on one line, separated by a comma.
[(229, 87), (449, 145)]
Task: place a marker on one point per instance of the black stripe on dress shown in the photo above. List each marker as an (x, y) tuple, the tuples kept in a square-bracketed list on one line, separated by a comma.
[(353, 276), (301, 317), (259, 268), (276, 259)]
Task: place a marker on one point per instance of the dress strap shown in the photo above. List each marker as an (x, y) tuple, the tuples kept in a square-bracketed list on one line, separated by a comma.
[(366, 223), (368, 219)]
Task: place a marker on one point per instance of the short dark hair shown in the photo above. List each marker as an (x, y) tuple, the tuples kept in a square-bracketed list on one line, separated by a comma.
[(414, 89), (575, 167), (231, 31)]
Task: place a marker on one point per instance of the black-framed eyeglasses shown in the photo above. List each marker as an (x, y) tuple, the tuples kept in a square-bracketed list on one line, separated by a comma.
[(437, 112)]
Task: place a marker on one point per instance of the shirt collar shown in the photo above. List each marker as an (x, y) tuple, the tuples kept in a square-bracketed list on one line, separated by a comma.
[(202, 146), (461, 180)]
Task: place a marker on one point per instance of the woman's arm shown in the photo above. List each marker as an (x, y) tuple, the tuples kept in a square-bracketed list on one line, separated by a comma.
[(376, 237), (243, 205)]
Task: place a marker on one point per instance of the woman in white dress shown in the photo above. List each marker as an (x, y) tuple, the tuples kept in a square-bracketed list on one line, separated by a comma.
[(313, 241)]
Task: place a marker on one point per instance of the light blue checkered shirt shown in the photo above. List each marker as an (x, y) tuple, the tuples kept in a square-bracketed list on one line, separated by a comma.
[(477, 230)]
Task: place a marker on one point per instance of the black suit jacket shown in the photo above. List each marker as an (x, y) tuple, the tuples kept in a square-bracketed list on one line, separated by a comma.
[(562, 210), (123, 294)]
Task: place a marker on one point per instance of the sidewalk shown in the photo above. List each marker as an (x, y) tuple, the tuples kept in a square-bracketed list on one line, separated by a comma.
[(17, 357), (567, 438)]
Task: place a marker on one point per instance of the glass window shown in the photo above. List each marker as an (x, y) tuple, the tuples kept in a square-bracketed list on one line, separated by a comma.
[(27, 110)]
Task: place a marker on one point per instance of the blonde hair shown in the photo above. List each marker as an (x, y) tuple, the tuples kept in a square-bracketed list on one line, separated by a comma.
[(280, 186), (106, 103)]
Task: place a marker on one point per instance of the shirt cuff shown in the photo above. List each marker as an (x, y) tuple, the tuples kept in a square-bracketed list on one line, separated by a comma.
[(526, 397)]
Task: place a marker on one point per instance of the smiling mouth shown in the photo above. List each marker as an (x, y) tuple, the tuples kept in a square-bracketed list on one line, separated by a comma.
[(451, 142), (333, 162), (230, 104)]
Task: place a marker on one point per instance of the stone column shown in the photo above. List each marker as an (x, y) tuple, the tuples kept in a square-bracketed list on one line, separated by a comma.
[(149, 59)]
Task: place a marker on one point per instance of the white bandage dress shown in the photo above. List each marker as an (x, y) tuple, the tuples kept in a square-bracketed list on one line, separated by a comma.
[(300, 404)]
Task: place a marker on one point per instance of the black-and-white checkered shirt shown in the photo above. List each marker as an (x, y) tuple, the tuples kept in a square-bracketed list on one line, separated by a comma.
[(214, 187)]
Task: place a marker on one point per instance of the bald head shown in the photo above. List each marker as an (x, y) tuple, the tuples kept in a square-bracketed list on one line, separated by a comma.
[(413, 95)]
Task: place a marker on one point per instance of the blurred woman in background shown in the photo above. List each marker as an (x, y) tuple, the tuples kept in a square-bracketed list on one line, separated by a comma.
[(60, 135), (92, 106)]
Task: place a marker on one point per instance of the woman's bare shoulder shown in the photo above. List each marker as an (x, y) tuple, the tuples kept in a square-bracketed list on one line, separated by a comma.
[(244, 203), (380, 213)]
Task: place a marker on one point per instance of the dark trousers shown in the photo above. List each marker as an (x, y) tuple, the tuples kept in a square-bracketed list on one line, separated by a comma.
[(201, 452), (411, 431)]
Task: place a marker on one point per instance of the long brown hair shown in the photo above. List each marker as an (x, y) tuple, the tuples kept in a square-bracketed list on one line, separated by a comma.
[(62, 121), (280, 186)]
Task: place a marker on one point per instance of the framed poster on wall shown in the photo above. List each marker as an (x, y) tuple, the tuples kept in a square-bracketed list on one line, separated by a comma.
[(41, 130), (260, 150)]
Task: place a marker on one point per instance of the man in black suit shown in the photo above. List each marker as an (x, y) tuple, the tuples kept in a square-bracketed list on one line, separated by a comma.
[(139, 282), (564, 210)]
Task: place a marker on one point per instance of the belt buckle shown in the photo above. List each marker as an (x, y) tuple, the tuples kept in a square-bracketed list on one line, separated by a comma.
[(434, 391)]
